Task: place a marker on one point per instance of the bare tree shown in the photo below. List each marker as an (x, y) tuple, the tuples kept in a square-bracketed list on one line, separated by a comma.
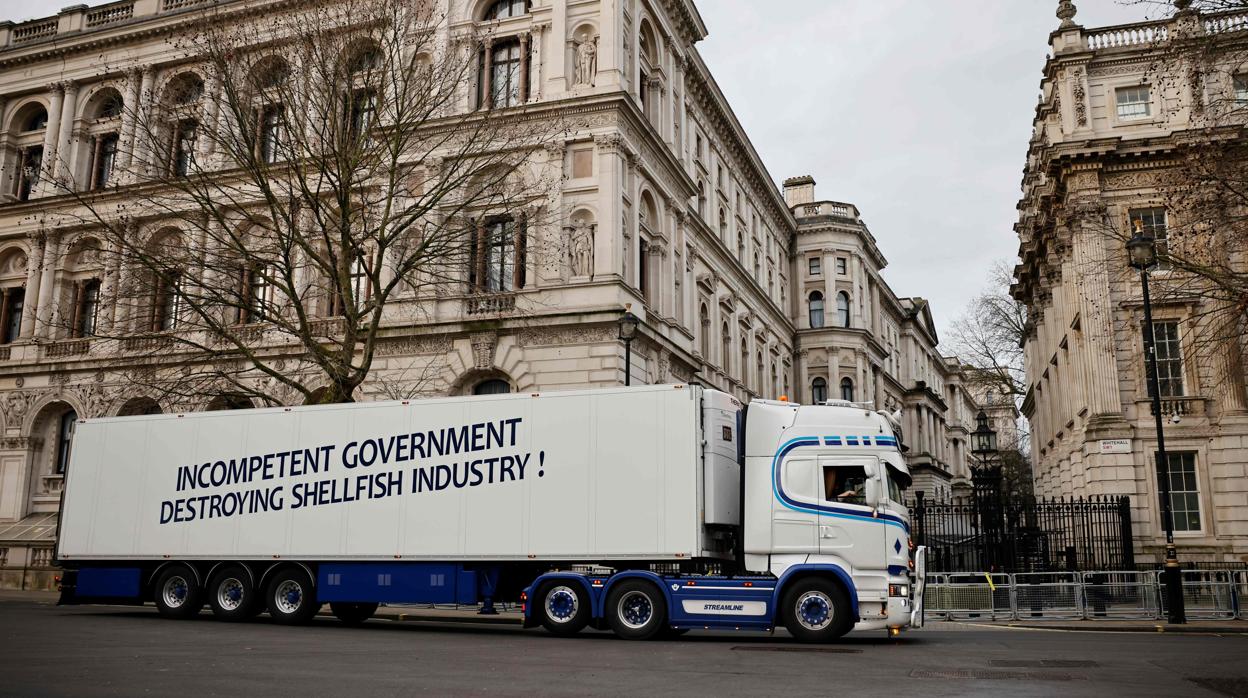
[(318, 178), (1200, 68), (988, 336)]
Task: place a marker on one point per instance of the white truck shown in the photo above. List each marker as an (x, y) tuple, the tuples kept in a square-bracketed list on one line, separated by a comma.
[(647, 510)]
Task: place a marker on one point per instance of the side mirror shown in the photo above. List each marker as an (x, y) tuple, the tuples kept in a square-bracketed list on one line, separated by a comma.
[(873, 491)]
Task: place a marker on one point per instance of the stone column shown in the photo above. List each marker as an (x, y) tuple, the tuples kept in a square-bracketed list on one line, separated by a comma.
[(537, 62), (608, 236), (108, 289), (560, 44), (4, 308), (47, 285), (487, 74), (524, 67), (51, 139), (34, 276), (145, 128), (65, 137), (208, 133), (129, 116), (6, 185), (801, 391)]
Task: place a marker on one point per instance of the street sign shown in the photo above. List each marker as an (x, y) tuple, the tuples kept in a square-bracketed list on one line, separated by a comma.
[(1115, 445)]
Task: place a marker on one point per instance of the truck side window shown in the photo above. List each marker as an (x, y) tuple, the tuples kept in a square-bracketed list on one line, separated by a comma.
[(845, 483)]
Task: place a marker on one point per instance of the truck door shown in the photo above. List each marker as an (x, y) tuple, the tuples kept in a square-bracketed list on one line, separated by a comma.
[(794, 531), (848, 526)]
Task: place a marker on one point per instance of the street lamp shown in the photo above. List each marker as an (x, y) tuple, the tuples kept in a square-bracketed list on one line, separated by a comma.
[(1142, 255), (628, 332), (984, 438)]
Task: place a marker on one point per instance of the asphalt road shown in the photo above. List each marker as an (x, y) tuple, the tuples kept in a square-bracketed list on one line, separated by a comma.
[(108, 651)]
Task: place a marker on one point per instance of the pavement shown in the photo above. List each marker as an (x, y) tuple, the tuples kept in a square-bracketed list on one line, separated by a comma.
[(125, 650)]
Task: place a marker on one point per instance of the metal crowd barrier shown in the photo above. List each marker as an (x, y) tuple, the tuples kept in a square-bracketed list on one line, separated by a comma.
[(1044, 595), (1207, 594), (978, 596), (1111, 595), (1120, 595), (1241, 595)]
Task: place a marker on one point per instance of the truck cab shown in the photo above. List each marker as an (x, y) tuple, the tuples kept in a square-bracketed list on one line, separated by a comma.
[(823, 496)]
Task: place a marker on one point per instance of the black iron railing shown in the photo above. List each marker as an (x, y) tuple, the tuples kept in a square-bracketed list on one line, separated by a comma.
[(995, 533)]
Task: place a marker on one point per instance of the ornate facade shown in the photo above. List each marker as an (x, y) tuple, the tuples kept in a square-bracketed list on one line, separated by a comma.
[(1115, 115), (858, 341), (662, 202)]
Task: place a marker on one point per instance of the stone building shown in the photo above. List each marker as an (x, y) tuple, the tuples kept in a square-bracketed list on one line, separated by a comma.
[(857, 341), (674, 213), (1113, 118)]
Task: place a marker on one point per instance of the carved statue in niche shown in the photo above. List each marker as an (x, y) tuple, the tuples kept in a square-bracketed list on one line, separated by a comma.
[(581, 248), (585, 68)]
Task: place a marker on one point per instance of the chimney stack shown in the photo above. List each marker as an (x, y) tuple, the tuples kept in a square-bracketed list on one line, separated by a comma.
[(799, 190)]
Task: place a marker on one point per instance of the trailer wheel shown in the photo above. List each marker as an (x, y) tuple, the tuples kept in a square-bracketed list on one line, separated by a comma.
[(177, 593), (292, 597), (231, 595), (564, 608), (352, 613), (815, 610), (636, 610)]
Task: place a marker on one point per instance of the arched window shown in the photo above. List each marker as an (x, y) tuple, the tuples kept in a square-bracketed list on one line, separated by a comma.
[(31, 121), (35, 119), (702, 198), (64, 436), (842, 309), (505, 9), (723, 225), (847, 389), (87, 308), (726, 349), (494, 386), (818, 391), (816, 309), (231, 401), (498, 261), (704, 317)]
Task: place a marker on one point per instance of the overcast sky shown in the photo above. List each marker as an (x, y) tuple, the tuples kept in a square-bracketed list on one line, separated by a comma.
[(917, 111)]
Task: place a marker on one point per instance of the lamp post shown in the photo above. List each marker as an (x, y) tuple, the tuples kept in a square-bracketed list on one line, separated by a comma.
[(1142, 255), (987, 489), (628, 332), (983, 439)]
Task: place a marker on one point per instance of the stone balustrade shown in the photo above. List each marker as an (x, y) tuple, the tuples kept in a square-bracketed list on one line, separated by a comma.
[(1127, 35), (78, 19), (828, 208), (110, 14), (66, 348), (491, 303)]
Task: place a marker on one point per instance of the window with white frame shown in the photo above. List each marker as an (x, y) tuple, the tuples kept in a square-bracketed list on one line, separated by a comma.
[(1153, 222), (816, 266), (1240, 83), (1134, 103), (1169, 350), (1184, 491), (842, 266)]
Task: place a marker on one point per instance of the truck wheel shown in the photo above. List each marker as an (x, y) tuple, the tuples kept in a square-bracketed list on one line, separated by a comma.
[(292, 597), (177, 594), (231, 595), (565, 608), (636, 610), (353, 613), (816, 610)]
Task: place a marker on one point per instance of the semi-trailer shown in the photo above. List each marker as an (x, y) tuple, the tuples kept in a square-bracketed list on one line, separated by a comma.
[(642, 510)]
